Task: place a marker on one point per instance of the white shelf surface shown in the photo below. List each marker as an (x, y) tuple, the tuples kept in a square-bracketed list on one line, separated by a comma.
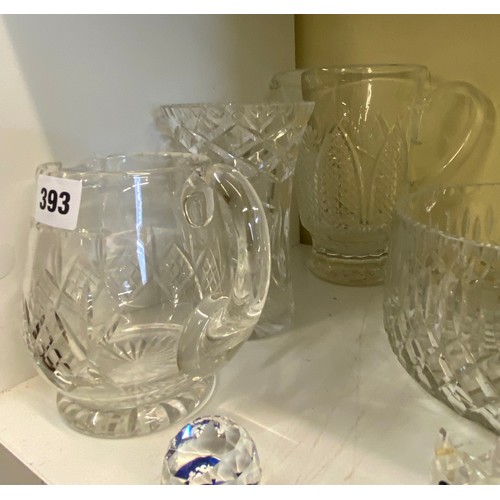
[(326, 403)]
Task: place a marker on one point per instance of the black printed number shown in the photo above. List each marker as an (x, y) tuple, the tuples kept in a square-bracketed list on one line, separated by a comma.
[(64, 198), (52, 201)]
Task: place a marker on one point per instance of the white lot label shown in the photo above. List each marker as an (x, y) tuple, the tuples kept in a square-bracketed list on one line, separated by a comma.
[(58, 201)]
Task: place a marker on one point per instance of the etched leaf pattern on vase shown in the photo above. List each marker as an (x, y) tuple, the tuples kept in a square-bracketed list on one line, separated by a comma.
[(356, 169), (386, 181)]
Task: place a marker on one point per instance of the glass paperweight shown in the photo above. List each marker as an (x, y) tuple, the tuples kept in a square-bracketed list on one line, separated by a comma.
[(211, 450), (454, 463)]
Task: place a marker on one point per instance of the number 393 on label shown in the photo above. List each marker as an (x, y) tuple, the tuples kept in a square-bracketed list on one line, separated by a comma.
[(58, 201)]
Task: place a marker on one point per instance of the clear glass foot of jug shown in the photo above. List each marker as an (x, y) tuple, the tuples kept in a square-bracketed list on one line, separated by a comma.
[(137, 420)]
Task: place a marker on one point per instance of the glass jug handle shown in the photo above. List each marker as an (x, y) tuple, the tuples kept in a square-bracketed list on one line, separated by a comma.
[(219, 325), (464, 118)]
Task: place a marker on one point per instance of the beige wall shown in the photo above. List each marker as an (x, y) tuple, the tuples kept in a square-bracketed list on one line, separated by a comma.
[(454, 47)]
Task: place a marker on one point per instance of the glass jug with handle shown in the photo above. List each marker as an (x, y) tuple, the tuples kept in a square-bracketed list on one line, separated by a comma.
[(146, 272), (376, 132)]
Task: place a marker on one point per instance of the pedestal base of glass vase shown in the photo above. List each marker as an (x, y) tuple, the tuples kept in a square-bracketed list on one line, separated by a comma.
[(274, 321), (140, 419), (351, 271)]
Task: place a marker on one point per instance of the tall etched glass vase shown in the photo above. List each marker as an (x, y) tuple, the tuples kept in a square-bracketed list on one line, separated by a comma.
[(261, 141)]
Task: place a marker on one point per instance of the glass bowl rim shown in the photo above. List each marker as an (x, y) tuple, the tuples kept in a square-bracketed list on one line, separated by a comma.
[(401, 211)]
